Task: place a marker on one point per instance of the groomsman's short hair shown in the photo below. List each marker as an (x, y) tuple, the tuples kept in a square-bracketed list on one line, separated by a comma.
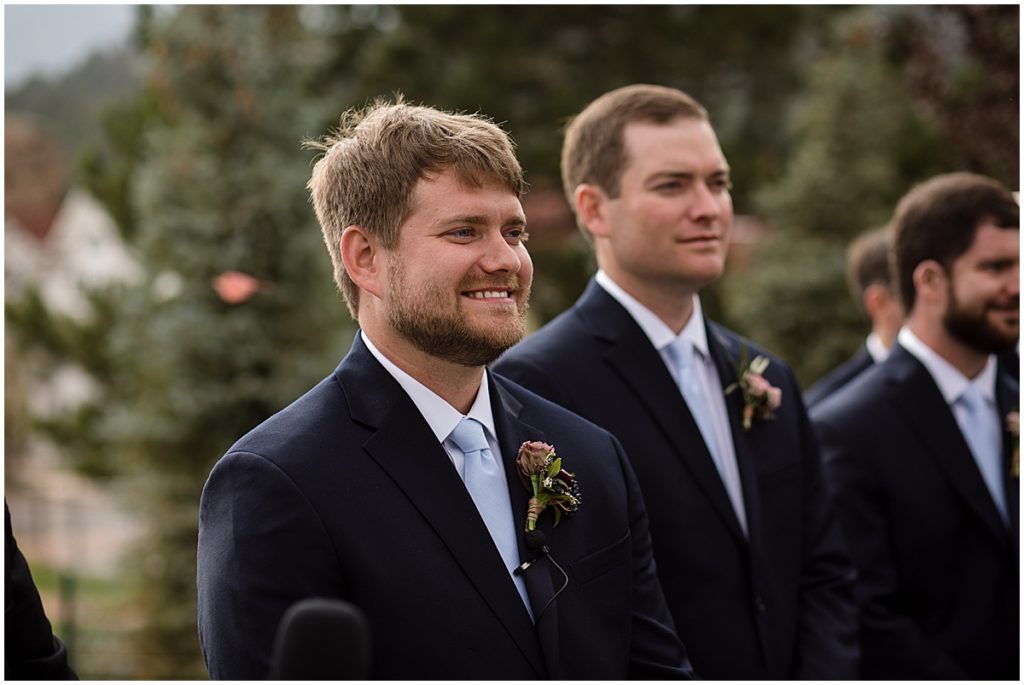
[(372, 162), (938, 220), (867, 262), (594, 152)]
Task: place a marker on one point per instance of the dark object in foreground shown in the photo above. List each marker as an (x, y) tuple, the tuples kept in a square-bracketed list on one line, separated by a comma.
[(322, 639)]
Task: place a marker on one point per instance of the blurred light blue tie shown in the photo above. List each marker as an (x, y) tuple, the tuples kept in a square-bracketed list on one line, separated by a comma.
[(681, 351), (490, 494), (984, 434), (683, 355)]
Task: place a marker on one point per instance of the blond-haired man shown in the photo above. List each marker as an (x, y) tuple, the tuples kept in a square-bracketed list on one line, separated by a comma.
[(392, 484)]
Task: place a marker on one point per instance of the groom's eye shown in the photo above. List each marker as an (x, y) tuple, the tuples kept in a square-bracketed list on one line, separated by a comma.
[(517, 236)]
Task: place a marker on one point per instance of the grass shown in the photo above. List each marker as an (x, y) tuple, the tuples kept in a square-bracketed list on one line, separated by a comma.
[(94, 616)]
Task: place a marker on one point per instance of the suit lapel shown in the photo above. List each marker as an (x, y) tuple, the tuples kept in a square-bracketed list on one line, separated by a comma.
[(918, 399), (1008, 400), (538, 578), (632, 356), (405, 448), (726, 356)]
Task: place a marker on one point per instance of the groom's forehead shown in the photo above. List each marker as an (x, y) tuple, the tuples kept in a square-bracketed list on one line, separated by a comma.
[(445, 198)]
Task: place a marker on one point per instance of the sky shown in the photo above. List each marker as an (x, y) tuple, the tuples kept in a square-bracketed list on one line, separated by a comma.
[(51, 39)]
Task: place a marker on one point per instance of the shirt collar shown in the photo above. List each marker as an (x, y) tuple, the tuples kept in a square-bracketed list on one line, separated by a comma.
[(876, 348), (440, 416), (660, 335), (948, 378)]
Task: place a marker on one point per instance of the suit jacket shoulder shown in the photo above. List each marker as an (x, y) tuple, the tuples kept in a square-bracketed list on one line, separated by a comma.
[(839, 376)]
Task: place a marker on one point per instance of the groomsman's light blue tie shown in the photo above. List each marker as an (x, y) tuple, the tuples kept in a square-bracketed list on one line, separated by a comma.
[(682, 353), (489, 493), (983, 434)]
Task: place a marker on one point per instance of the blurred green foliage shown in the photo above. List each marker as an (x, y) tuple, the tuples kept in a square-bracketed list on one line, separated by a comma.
[(827, 115), (73, 106), (880, 113), (218, 186)]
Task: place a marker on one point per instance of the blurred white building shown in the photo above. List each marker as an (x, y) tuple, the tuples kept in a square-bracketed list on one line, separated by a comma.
[(59, 242)]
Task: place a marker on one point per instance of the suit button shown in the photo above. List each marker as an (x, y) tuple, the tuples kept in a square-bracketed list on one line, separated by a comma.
[(759, 604)]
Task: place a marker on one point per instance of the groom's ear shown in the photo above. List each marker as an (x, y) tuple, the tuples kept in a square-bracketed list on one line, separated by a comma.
[(591, 208), (363, 259)]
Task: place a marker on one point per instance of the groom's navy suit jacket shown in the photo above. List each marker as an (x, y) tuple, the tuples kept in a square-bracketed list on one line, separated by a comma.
[(778, 604), (939, 569), (348, 494)]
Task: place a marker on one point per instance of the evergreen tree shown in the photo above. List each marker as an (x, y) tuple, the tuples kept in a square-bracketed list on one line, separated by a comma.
[(862, 143), (209, 174), (533, 67)]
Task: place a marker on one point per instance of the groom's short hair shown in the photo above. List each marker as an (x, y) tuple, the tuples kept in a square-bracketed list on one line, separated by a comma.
[(372, 162), (594, 151)]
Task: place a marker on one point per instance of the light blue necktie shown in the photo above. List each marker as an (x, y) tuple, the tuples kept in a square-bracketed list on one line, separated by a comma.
[(983, 434), (487, 488), (682, 353)]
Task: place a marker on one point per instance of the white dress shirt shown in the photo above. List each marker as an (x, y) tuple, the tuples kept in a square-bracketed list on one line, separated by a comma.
[(442, 419), (876, 348), (441, 416), (661, 336), (948, 378), (982, 431)]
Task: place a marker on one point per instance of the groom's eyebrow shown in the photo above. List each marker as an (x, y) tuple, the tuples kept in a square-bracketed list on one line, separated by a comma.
[(471, 219), (480, 220)]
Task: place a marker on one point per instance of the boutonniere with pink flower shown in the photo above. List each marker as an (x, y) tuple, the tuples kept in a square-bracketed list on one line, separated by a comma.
[(549, 484), (1013, 428), (760, 398)]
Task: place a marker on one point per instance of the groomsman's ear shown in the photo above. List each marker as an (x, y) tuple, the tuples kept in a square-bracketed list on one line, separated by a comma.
[(930, 283), (362, 257), (591, 208)]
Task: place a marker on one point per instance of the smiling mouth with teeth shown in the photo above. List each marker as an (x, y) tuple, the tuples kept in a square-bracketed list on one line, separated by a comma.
[(489, 294)]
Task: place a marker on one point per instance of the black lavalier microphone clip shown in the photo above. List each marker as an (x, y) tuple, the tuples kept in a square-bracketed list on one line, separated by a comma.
[(535, 543)]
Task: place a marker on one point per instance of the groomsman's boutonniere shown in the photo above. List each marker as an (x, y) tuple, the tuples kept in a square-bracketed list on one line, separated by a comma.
[(1013, 426), (542, 474), (760, 398)]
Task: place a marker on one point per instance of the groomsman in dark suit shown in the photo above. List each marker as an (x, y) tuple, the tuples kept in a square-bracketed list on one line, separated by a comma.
[(921, 451), (395, 484), (871, 285), (747, 547), (31, 650)]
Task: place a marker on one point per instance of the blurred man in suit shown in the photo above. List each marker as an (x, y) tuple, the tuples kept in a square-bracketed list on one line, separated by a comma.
[(871, 285), (746, 543), (921, 451), (393, 484), (31, 650)]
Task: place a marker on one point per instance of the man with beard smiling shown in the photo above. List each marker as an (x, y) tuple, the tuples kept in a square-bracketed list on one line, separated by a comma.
[(393, 484), (921, 451)]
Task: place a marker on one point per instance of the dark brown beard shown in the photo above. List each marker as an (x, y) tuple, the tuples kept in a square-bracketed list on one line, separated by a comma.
[(973, 329)]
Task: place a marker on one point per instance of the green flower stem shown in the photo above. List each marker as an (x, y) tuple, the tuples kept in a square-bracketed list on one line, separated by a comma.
[(535, 482)]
